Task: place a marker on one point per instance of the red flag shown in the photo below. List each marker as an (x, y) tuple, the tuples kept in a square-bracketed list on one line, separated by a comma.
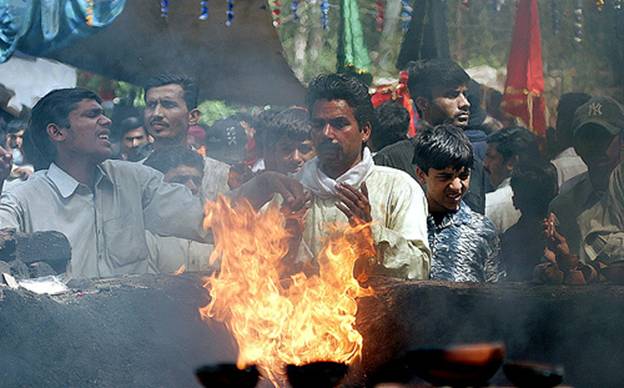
[(524, 88)]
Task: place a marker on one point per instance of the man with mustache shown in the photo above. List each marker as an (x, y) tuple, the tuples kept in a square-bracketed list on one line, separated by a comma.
[(170, 109), (439, 89), (464, 244), (346, 186), (104, 206)]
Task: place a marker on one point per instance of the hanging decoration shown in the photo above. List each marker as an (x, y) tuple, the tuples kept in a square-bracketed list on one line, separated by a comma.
[(524, 87), (617, 5), (578, 21), (600, 4), (379, 16), (555, 17), (203, 5), (497, 5), (229, 13), (294, 7), (164, 8), (325, 14), (89, 13), (276, 10), (406, 14)]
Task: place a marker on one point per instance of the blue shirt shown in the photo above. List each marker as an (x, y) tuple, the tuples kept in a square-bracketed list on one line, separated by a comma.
[(465, 247)]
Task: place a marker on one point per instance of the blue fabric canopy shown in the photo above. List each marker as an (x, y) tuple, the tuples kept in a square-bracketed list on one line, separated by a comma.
[(39, 26)]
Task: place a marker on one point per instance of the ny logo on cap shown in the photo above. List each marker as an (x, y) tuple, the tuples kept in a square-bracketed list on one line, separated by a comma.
[(595, 109)]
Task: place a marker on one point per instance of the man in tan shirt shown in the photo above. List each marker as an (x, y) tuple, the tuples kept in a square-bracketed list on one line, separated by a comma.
[(104, 206)]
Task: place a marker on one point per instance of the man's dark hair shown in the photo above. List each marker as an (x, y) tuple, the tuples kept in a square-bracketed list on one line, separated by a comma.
[(392, 124), (54, 107), (337, 86), (568, 103), (261, 122), (534, 184), (441, 147), (293, 123), (128, 124), (515, 141), (187, 84), (167, 158), (424, 75)]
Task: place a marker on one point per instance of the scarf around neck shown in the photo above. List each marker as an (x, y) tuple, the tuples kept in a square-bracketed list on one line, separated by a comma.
[(316, 181)]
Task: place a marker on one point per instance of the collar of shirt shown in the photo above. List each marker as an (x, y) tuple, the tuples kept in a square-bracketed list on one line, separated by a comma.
[(567, 153), (65, 183), (506, 182), (461, 216)]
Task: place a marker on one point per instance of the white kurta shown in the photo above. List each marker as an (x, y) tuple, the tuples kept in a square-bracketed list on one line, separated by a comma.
[(499, 207), (399, 212)]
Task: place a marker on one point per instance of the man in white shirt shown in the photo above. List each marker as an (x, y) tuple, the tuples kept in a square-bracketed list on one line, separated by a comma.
[(505, 149), (567, 162), (346, 186), (104, 206)]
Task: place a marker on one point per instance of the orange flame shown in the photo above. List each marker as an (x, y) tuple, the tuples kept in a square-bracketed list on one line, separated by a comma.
[(310, 319), (180, 270)]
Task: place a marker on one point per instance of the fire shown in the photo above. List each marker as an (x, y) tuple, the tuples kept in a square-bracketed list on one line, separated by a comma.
[(277, 322), (180, 270)]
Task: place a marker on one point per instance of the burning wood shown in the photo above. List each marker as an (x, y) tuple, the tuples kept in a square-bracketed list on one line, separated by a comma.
[(275, 323)]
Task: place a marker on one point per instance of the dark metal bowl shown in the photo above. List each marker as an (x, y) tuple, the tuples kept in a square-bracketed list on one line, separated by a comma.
[(462, 365), (530, 374), (321, 374), (227, 375)]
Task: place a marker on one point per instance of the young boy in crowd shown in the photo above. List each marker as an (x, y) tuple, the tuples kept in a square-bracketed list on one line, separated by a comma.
[(285, 141), (179, 164), (464, 244)]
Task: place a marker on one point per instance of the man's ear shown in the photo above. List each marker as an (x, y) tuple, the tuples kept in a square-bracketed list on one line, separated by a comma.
[(510, 163), (422, 176), (194, 116), (366, 131), (55, 132)]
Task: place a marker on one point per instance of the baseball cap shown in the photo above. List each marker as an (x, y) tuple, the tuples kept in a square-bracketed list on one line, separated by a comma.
[(226, 141), (602, 111)]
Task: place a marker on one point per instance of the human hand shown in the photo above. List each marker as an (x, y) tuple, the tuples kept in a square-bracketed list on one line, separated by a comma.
[(354, 204), (557, 248), (23, 172), (260, 190)]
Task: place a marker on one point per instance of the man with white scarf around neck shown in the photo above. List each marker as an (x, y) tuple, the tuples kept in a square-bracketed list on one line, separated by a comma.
[(346, 186)]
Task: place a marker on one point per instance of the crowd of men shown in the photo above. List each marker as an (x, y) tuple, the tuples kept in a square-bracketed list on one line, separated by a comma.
[(463, 200)]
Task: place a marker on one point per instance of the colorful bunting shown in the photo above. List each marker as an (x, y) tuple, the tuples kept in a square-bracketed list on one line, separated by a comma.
[(203, 9), (229, 13), (164, 8)]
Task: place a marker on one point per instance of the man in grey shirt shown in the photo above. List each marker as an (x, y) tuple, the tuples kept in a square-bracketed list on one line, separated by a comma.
[(104, 206)]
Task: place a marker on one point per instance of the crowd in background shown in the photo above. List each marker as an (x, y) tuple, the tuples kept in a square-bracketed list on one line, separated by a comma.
[(473, 196)]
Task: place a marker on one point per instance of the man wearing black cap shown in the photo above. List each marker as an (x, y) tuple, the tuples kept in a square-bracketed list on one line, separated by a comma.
[(598, 139)]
